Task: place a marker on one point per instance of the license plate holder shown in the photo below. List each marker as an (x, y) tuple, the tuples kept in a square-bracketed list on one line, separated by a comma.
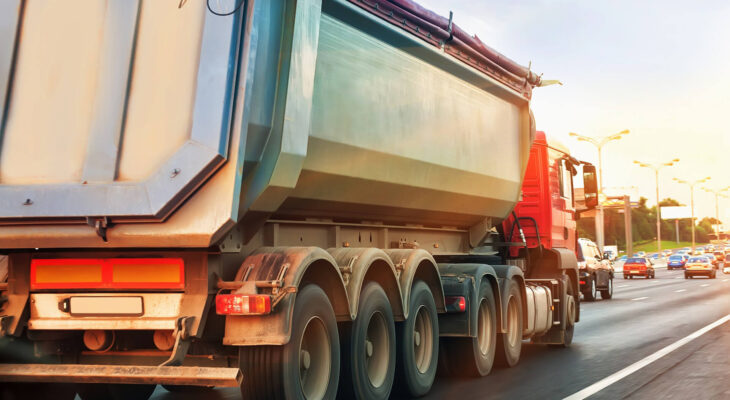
[(96, 306), (634, 272)]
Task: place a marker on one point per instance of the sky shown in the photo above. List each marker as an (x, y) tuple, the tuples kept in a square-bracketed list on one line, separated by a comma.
[(658, 68)]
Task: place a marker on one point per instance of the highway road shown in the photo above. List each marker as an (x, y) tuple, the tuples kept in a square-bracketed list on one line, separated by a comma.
[(643, 318)]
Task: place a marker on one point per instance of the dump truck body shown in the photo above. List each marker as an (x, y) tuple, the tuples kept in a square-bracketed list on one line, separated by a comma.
[(192, 190)]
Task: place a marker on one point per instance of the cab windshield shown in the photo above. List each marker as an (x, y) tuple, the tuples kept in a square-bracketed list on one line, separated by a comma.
[(675, 258), (636, 260), (699, 260)]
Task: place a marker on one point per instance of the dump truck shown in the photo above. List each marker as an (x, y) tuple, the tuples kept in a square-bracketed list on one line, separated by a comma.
[(303, 199)]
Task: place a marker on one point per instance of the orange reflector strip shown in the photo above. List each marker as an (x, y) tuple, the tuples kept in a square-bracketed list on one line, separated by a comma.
[(108, 273), (68, 273)]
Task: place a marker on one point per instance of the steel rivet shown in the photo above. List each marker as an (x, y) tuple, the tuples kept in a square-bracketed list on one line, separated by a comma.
[(175, 172), (27, 202)]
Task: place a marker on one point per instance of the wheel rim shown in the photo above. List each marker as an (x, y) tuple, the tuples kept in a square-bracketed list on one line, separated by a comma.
[(423, 340), (571, 312), (315, 360), (512, 323), (484, 337), (377, 349)]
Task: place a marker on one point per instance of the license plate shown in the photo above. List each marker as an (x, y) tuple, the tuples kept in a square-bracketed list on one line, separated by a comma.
[(106, 306), (634, 272)]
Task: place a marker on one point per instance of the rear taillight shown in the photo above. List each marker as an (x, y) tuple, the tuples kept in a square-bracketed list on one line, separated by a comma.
[(582, 282), (107, 273), (455, 304), (242, 304)]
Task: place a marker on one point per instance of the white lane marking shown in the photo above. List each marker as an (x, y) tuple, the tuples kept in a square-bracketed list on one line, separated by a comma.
[(680, 290), (617, 376), (677, 277), (706, 284), (620, 286), (724, 280), (639, 298)]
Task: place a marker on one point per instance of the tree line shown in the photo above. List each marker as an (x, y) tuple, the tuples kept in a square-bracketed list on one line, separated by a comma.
[(643, 226)]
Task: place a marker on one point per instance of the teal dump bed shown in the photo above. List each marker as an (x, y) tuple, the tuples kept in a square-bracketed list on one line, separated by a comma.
[(174, 124)]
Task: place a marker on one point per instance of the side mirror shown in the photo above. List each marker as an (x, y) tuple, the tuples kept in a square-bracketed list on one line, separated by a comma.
[(590, 186)]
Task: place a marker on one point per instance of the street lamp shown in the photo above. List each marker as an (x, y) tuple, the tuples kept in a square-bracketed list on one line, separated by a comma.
[(717, 194), (692, 201), (599, 143), (656, 168)]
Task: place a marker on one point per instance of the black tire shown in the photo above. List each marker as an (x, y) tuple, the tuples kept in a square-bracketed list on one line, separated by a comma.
[(417, 341), (368, 348), (472, 356), (631, 277), (572, 310), (607, 294), (99, 391), (187, 389), (590, 294), (625, 276), (509, 343), (37, 390), (284, 371)]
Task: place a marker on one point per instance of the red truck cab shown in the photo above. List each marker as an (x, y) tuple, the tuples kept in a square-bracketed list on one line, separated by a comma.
[(548, 210)]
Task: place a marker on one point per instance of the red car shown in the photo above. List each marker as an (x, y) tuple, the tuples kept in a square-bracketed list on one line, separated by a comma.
[(638, 266)]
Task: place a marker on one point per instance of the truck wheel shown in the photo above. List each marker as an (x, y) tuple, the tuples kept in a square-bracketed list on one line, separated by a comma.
[(418, 343), (607, 293), (368, 362), (307, 367), (590, 294), (475, 356), (509, 343), (99, 391)]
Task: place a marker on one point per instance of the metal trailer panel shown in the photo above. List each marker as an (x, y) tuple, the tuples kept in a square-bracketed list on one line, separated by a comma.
[(320, 109)]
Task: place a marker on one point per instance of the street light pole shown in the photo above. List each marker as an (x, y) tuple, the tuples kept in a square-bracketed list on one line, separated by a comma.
[(692, 201), (599, 143), (717, 194), (656, 168)]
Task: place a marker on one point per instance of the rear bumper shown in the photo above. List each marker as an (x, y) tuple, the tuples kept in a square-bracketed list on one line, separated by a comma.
[(642, 273), (699, 272), (130, 374)]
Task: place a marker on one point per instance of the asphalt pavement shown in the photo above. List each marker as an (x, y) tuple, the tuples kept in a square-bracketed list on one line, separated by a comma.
[(644, 317)]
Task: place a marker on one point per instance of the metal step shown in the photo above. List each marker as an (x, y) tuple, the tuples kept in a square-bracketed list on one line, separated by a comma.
[(137, 374)]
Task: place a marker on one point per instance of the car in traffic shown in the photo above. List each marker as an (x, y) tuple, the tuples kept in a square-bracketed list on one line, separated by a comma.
[(654, 256), (720, 256), (699, 266), (639, 266), (666, 253), (677, 261), (713, 260), (640, 254), (595, 273)]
